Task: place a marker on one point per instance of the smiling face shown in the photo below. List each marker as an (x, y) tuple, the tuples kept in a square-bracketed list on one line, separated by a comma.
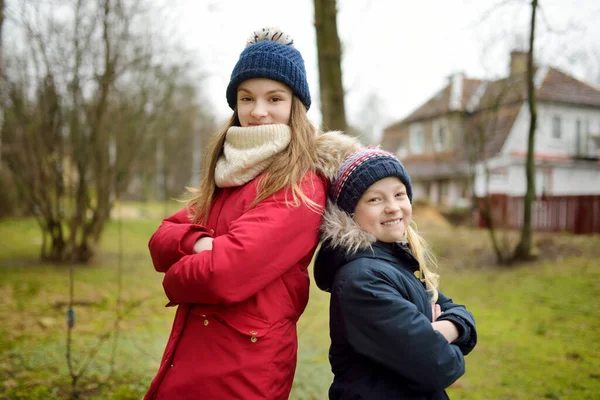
[(384, 210), (262, 101)]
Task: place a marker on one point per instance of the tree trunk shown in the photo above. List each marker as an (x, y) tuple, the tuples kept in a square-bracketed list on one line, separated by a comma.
[(487, 215), (330, 69), (2, 81), (523, 251)]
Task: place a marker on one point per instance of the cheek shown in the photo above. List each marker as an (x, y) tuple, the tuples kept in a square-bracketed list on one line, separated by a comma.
[(242, 115), (364, 219), (286, 115), (407, 214)]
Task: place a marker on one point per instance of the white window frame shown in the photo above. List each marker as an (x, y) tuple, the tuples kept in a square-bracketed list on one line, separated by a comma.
[(557, 127), (441, 145), (417, 130)]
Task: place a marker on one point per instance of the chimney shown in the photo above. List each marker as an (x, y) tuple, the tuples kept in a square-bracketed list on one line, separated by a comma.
[(456, 91), (518, 62)]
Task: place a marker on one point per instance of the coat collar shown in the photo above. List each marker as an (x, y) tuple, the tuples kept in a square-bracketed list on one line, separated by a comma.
[(343, 241), (343, 233)]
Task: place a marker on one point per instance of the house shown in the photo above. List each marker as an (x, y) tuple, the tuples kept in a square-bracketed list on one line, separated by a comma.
[(473, 135)]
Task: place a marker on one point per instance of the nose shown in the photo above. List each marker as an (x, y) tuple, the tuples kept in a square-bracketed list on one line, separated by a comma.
[(259, 110), (391, 208)]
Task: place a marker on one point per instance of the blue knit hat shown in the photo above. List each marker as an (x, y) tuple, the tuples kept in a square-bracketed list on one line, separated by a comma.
[(362, 169), (270, 53)]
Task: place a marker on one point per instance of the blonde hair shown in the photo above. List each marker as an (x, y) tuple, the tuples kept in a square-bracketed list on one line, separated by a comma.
[(286, 171), (427, 261)]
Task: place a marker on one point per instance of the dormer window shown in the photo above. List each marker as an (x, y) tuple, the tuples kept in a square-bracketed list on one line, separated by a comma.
[(417, 139)]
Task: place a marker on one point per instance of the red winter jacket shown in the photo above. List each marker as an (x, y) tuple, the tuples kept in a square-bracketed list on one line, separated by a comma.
[(234, 334)]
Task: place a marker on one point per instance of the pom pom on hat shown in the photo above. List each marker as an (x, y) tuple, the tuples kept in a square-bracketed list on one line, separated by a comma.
[(362, 169), (270, 33), (270, 53)]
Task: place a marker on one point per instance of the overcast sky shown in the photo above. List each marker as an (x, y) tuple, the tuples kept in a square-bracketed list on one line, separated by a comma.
[(402, 52)]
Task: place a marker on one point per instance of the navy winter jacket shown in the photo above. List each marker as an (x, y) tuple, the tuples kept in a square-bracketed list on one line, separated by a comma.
[(382, 343)]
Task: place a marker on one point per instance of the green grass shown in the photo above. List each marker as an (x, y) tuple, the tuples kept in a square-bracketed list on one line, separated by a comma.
[(538, 323)]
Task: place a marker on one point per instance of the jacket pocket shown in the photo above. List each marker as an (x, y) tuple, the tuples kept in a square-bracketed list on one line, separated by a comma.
[(248, 325)]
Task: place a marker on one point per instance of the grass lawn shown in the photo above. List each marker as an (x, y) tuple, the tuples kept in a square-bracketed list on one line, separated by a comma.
[(538, 324)]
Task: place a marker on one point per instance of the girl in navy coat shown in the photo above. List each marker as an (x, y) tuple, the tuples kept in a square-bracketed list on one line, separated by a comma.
[(393, 334)]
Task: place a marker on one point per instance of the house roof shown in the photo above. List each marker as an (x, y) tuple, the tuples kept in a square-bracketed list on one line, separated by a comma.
[(497, 103), (495, 124), (556, 86), (563, 88), (441, 103)]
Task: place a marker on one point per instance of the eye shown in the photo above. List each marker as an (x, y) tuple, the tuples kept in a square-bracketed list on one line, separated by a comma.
[(276, 99), (400, 194), (373, 199), (245, 98)]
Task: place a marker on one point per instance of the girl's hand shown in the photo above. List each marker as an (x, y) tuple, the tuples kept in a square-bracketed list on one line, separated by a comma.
[(436, 311), (204, 243), (447, 329)]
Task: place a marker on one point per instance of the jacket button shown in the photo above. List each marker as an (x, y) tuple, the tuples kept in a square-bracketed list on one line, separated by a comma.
[(252, 332), (205, 322), (253, 339), (171, 366), (212, 232)]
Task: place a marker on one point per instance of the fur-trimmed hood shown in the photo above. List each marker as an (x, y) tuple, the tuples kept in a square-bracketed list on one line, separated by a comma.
[(338, 229), (341, 232), (337, 226), (332, 149), (341, 238)]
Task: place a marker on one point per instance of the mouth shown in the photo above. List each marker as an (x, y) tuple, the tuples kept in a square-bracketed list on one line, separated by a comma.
[(257, 123), (392, 222)]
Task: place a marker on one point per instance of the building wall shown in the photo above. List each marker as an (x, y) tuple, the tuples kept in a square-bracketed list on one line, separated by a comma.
[(399, 141), (561, 167), (420, 190), (448, 193), (545, 144), (565, 179), (574, 181)]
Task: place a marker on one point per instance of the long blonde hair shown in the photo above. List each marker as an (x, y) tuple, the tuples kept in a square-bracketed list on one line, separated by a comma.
[(286, 171), (427, 261)]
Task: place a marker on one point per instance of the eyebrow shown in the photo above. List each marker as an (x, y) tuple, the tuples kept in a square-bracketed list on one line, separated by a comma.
[(241, 89), (380, 191)]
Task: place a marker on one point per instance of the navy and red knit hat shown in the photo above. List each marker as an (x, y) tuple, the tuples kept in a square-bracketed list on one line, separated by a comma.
[(362, 169), (271, 54)]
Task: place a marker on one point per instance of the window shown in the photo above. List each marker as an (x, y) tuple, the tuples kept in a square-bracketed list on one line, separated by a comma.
[(499, 176), (440, 136), (416, 138), (556, 127), (578, 138), (444, 191)]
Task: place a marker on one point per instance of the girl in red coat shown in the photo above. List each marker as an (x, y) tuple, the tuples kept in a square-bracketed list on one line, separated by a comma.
[(235, 259)]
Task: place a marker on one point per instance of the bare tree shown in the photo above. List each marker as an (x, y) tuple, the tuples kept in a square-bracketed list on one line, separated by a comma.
[(84, 97), (2, 80), (485, 124), (523, 251), (330, 69)]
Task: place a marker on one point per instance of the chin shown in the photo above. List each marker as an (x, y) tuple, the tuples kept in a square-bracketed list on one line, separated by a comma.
[(390, 238)]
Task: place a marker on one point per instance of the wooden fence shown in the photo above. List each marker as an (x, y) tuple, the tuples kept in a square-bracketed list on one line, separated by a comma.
[(575, 214)]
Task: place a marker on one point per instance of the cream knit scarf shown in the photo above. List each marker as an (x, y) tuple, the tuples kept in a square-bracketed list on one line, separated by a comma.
[(248, 151)]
